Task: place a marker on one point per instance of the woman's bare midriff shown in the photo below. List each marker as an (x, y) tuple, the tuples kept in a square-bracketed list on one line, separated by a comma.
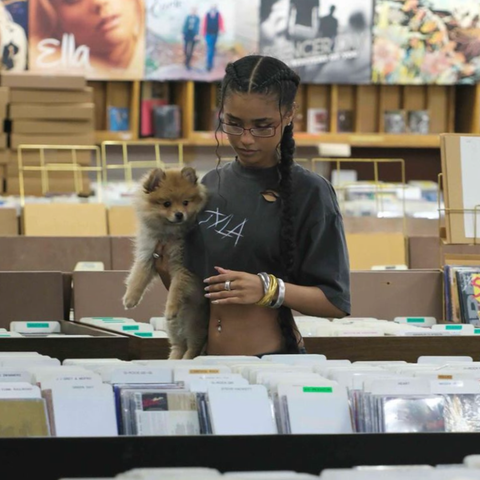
[(246, 330)]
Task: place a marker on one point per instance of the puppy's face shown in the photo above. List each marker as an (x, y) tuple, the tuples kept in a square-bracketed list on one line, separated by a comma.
[(172, 196)]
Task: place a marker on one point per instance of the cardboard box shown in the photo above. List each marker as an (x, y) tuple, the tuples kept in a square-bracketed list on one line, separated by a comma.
[(369, 249), (65, 220), (5, 157), (3, 113), (60, 182), (414, 226), (424, 252), (122, 221), (17, 139), (388, 294), (38, 127), (3, 141), (42, 81), (431, 252), (30, 296), (458, 152), (52, 253), (4, 95), (100, 294), (8, 224), (122, 249), (34, 95), (73, 111)]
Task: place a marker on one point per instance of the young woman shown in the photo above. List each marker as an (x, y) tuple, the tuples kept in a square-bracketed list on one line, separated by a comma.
[(266, 215)]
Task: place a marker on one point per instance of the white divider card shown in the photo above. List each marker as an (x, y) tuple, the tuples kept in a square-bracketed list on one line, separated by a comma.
[(159, 323), (101, 321), (19, 354), (316, 408), (82, 410), (254, 371), (19, 390), (153, 334), (30, 361), (272, 380), (457, 329), (136, 374), (35, 328), (380, 363), (129, 328), (159, 363), (92, 362), (181, 372), (170, 473), (344, 375), (226, 359), (241, 410), (416, 321), (200, 385), (295, 359), (443, 360), (77, 377), (188, 379), (10, 374), (323, 367), (10, 335), (282, 475)]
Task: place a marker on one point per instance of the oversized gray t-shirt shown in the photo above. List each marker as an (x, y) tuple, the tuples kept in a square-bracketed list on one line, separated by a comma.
[(240, 230)]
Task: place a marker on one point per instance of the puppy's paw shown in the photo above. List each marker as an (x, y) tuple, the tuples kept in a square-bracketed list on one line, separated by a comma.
[(171, 312), (130, 301)]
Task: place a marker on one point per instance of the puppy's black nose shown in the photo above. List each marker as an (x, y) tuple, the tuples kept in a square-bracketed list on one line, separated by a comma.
[(179, 215)]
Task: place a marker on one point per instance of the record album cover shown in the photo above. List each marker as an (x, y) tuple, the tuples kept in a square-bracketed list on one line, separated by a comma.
[(434, 41), (324, 41)]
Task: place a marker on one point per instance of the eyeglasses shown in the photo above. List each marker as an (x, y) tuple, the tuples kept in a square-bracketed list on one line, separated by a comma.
[(256, 132)]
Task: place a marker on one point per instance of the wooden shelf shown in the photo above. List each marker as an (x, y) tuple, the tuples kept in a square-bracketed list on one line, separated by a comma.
[(107, 136)]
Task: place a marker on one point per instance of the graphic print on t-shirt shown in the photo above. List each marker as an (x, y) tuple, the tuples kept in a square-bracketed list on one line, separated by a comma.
[(221, 221)]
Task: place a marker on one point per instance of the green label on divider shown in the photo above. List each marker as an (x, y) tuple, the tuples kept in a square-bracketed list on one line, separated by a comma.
[(453, 327), (317, 389), (415, 320), (37, 325), (477, 331), (130, 328), (144, 334)]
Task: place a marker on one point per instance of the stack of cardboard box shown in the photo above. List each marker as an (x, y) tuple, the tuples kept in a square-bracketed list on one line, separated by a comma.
[(48, 110)]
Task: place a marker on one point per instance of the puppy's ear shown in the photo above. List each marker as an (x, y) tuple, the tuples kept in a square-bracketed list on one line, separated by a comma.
[(190, 174), (153, 180)]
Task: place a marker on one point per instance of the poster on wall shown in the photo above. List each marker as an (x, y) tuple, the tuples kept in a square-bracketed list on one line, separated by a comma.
[(324, 41), (13, 35), (101, 40), (195, 39), (426, 41)]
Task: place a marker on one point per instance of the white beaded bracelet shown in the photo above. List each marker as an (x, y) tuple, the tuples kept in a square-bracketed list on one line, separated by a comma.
[(281, 294)]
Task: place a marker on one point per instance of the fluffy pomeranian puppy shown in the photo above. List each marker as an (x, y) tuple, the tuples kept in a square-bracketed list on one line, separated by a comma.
[(166, 208)]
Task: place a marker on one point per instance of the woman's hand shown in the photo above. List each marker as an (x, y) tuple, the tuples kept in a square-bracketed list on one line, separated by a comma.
[(243, 288), (161, 259)]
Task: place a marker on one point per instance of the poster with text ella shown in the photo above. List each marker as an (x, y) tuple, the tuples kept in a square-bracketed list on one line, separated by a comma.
[(101, 40), (325, 41), (434, 41), (195, 39)]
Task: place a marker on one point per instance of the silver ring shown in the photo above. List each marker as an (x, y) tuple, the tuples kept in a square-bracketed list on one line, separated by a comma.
[(227, 285), (156, 255)]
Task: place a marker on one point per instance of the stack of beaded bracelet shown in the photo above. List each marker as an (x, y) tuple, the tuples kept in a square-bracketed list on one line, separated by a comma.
[(273, 291)]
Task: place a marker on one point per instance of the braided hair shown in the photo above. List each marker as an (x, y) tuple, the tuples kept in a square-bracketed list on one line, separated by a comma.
[(270, 76)]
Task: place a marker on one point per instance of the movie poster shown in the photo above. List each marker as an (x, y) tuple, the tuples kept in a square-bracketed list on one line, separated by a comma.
[(101, 40), (13, 35), (426, 41), (195, 39), (324, 41)]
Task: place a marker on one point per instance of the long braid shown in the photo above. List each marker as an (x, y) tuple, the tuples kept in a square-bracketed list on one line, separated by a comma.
[(287, 231)]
